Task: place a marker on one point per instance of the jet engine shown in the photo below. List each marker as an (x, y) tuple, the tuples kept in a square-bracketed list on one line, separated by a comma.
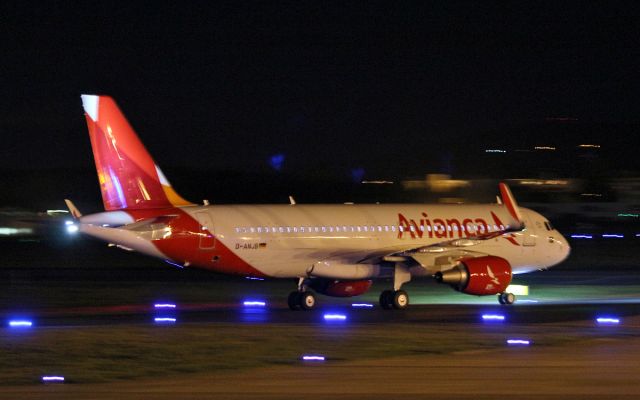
[(479, 276), (336, 288)]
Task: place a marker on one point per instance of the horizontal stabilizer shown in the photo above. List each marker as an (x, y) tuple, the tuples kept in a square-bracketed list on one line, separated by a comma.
[(73, 209)]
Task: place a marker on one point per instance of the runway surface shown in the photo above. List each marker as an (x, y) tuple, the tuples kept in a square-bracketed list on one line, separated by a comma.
[(94, 322)]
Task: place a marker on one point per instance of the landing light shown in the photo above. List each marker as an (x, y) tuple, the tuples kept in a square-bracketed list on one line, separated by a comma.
[(335, 317), (518, 342), (50, 379), (492, 317), (164, 305), (164, 320), (608, 320), (313, 358), (254, 303), (581, 236), (362, 305), (20, 324)]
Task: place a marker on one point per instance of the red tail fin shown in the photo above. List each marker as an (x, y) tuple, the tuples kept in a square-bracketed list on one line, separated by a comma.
[(129, 178)]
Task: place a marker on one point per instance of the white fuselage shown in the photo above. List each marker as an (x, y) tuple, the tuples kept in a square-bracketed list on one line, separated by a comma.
[(289, 240)]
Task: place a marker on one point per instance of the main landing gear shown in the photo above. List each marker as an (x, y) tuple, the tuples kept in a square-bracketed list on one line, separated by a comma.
[(301, 299), (396, 299), (506, 298)]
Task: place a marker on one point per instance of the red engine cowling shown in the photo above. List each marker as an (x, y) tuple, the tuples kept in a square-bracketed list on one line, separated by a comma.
[(340, 288), (480, 276)]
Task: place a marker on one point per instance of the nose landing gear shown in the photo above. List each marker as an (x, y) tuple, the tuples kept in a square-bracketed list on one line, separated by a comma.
[(301, 299), (397, 299), (506, 298)]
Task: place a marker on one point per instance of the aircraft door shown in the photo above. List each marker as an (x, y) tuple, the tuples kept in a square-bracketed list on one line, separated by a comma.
[(529, 233), (207, 231)]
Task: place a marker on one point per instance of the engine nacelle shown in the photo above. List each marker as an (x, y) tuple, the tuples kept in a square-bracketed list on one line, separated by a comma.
[(480, 276), (340, 288)]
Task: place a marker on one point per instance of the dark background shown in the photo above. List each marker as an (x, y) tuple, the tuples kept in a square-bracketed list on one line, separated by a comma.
[(343, 91)]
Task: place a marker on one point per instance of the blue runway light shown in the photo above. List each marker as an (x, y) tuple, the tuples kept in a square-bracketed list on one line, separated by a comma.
[(608, 320), (164, 305), (362, 305), (254, 303), (518, 342), (313, 358), (253, 278), (613, 235), (164, 320), (582, 236), (20, 324), (56, 379), (335, 317), (492, 317)]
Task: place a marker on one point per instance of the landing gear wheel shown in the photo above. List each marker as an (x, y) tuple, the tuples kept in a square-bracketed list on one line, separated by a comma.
[(400, 299), (294, 300), (507, 298), (386, 299), (307, 300)]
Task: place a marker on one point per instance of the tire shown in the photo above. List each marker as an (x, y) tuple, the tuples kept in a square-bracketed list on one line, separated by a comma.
[(386, 300), (509, 298), (400, 299), (293, 301), (307, 301), (501, 298)]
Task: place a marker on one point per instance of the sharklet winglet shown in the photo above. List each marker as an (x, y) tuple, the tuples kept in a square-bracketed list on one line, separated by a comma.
[(510, 202)]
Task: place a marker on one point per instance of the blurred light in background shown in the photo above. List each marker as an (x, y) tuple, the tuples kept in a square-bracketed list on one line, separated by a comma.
[(518, 290), (277, 161)]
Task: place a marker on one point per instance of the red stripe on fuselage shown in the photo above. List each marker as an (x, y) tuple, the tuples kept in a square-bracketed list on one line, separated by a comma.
[(183, 245)]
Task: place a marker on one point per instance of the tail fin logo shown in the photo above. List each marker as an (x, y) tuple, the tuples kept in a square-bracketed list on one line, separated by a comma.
[(129, 177)]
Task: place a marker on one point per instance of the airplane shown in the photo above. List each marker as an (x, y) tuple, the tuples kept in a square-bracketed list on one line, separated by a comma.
[(335, 250)]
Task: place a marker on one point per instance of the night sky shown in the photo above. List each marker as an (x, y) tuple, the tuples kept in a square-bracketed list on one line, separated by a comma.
[(385, 88)]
